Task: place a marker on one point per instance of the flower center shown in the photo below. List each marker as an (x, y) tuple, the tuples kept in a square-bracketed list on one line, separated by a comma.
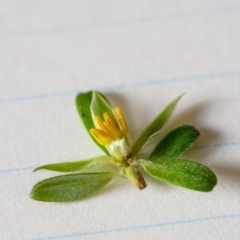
[(111, 129)]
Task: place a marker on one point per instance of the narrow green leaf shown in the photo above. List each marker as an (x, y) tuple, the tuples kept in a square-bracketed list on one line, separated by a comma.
[(69, 187), (183, 173), (175, 142), (74, 166), (83, 102), (153, 129)]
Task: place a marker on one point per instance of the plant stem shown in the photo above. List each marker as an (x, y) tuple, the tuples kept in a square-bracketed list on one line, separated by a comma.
[(134, 175)]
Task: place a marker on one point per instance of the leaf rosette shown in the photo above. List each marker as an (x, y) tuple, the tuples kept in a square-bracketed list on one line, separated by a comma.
[(109, 130)]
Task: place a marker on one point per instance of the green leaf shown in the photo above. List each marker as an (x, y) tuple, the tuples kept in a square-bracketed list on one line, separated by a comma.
[(153, 129), (83, 102), (175, 142), (69, 187), (181, 172), (74, 166)]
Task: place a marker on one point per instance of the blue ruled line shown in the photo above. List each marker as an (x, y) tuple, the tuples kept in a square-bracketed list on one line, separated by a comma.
[(134, 228), (216, 145), (220, 75), (10, 170), (91, 26)]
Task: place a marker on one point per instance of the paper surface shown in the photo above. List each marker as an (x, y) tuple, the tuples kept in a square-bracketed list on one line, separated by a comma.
[(141, 54)]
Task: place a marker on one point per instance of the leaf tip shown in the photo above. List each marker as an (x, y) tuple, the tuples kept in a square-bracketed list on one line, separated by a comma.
[(36, 169)]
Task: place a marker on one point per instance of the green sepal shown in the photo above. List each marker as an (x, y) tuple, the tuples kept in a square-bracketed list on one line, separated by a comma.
[(75, 166), (181, 172), (69, 187), (176, 142), (100, 105), (153, 129), (83, 102)]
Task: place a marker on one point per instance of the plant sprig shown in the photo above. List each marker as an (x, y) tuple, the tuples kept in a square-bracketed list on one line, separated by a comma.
[(109, 130)]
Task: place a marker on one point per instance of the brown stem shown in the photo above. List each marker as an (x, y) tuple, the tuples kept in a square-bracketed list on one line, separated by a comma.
[(135, 176)]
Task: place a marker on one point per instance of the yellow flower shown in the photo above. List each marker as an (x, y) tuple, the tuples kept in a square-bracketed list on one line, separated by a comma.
[(112, 133)]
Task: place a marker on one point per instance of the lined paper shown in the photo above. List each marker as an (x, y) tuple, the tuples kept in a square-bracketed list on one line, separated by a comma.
[(141, 55)]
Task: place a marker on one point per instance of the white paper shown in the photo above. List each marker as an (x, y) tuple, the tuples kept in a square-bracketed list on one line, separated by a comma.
[(141, 54)]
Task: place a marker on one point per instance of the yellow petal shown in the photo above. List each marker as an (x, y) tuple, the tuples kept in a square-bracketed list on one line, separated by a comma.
[(115, 131), (122, 119), (102, 137)]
